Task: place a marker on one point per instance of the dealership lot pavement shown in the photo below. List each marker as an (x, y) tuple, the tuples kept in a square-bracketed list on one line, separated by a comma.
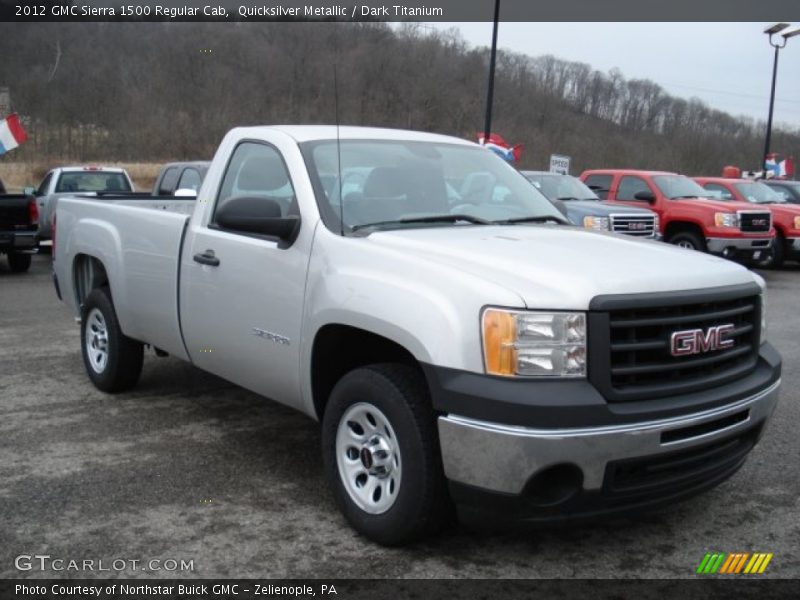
[(189, 467)]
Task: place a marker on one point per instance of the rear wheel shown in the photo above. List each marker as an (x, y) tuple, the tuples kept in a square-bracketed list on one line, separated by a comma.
[(381, 454), (19, 263), (689, 240), (113, 361)]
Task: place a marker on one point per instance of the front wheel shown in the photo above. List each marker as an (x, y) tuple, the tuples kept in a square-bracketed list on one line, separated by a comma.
[(113, 361), (19, 263), (775, 255), (381, 454), (688, 240)]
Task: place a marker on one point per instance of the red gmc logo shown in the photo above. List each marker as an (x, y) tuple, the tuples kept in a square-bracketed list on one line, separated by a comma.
[(759, 221), (695, 341)]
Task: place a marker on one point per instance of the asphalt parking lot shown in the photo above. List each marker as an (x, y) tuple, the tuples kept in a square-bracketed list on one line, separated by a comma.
[(190, 467)]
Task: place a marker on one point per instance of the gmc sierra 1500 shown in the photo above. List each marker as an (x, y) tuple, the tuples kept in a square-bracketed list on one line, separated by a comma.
[(456, 346)]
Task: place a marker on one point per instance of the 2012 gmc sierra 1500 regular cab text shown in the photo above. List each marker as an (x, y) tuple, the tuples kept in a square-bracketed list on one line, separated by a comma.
[(474, 351)]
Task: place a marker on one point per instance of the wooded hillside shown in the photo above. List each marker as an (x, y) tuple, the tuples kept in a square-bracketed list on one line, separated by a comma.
[(147, 92)]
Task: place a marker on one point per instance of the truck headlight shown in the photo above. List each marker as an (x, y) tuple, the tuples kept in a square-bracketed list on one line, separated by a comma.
[(797, 222), (596, 223), (726, 219), (534, 344)]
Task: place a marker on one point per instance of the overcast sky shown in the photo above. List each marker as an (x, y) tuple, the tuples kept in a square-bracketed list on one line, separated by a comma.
[(728, 65)]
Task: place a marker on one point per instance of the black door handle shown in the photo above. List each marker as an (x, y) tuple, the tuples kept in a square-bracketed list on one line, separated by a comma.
[(207, 258)]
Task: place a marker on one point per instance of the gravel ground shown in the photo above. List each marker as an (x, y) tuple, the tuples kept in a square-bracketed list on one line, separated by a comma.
[(189, 467)]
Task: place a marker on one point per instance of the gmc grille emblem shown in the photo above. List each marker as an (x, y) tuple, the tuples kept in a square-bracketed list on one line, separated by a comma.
[(696, 341), (759, 222), (637, 225)]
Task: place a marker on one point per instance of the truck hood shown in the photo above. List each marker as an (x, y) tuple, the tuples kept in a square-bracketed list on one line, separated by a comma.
[(563, 267), (597, 207), (722, 205)]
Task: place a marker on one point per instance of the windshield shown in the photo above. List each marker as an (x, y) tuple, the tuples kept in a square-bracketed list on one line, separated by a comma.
[(759, 193), (679, 186), (92, 181), (394, 184), (561, 187)]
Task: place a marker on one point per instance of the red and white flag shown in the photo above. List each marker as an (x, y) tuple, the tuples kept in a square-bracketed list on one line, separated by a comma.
[(11, 133), (499, 146)]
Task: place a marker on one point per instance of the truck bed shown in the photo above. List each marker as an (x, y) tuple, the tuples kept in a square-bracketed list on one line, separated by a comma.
[(138, 240)]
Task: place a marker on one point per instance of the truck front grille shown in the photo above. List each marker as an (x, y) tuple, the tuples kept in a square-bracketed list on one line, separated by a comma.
[(639, 225), (755, 221), (632, 354)]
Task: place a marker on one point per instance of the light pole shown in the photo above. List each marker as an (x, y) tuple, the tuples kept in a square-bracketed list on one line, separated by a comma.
[(487, 127), (772, 31)]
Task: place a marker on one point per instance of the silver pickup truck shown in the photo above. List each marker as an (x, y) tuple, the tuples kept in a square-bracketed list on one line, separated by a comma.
[(459, 349)]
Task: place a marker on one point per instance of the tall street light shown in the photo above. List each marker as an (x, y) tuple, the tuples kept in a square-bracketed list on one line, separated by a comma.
[(781, 42), (487, 128)]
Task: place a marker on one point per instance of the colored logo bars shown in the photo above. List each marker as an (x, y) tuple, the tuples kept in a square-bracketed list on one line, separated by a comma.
[(734, 563)]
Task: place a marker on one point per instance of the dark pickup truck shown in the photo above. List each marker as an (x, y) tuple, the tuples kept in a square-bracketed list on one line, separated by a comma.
[(19, 222)]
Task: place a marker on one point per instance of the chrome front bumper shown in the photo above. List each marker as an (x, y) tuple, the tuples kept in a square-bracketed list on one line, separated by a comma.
[(502, 458), (718, 245)]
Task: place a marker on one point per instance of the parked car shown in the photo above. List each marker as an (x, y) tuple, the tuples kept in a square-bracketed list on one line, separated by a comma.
[(2, 187), (472, 348), (19, 221), (71, 180), (180, 176), (687, 216), (789, 190), (785, 215), (584, 209)]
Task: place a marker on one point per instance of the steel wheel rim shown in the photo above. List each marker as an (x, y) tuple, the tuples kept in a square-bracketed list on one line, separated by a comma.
[(368, 458), (96, 340), (685, 244)]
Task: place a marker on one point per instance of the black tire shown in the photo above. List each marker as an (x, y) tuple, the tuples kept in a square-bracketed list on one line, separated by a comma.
[(421, 505), (775, 255), (689, 240), (19, 263), (123, 364)]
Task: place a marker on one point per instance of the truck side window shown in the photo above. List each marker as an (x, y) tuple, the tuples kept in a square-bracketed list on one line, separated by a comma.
[(629, 186), (724, 193), (600, 184), (167, 185), (257, 170), (44, 185), (190, 180)]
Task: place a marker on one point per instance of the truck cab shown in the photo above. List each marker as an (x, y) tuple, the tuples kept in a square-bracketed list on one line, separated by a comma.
[(689, 217)]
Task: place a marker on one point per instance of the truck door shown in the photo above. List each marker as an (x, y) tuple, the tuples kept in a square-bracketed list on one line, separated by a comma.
[(629, 186), (241, 295)]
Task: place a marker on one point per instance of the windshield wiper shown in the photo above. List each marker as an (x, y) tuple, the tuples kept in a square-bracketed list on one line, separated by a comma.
[(567, 198), (692, 196), (428, 219), (539, 219)]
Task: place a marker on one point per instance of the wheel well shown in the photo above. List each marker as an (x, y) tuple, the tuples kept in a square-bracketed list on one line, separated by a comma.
[(89, 273), (338, 349), (676, 227)]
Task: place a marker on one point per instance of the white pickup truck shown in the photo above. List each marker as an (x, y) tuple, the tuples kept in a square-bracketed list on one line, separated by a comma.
[(460, 348)]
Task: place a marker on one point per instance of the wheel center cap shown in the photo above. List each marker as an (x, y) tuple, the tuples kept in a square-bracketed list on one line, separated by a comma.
[(377, 456)]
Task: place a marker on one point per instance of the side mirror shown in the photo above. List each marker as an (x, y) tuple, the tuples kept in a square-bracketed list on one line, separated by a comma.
[(257, 215), (185, 193), (645, 196), (29, 191)]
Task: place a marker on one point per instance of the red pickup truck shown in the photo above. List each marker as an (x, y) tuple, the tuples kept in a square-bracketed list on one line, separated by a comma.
[(785, 215), (687, 216)]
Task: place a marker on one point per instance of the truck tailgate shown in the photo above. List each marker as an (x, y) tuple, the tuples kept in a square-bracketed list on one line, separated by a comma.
[(14, 214), (139, 246)]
